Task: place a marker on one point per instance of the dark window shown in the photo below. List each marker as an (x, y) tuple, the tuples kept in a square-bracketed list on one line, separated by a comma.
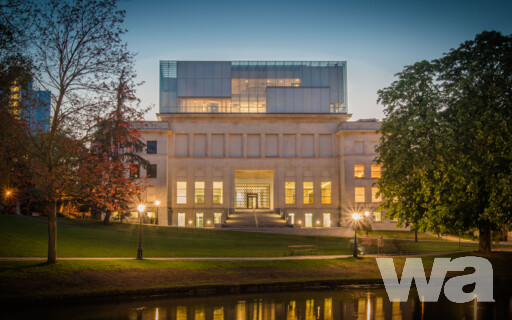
[(135, 172), (151, 147), (151, 171)]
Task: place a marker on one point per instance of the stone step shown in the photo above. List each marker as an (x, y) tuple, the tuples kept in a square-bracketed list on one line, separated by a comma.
[(246, 220)]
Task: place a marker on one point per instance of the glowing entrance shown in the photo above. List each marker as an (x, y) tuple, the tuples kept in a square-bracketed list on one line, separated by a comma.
[(253, 189)]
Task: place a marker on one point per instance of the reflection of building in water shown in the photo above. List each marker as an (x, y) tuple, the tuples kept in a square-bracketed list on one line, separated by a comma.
[(315, 306)]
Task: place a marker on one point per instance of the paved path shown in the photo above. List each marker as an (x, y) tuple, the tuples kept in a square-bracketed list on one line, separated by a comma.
[(312, 257)]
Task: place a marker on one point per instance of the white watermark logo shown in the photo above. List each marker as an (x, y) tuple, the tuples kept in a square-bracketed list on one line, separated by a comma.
[(413, 268)]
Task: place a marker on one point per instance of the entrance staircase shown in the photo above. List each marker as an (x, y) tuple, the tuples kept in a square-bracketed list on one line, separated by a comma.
[(255, 219)]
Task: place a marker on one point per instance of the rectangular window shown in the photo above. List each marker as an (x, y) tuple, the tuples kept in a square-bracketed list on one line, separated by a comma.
[(359, 171), (217, 218), (308, 192), (309, 220), (181, 219), (327, 220), (359, 194), (377, 216), (151, 147), (199, 220), (151, 172), (291, 218), (375, 171), (181, 192), (326, 192), (199, 192), (135, 172), (374, 195), (217, 192), (289, 191)]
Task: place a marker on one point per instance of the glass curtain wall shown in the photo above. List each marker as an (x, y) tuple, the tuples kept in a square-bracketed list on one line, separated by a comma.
[(243, 86)]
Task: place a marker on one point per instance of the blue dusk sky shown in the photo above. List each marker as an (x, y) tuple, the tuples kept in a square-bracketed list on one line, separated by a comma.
[(376, 38)]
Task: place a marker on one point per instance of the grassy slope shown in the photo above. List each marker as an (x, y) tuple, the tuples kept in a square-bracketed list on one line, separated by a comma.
[(31, 279), (27, 237)]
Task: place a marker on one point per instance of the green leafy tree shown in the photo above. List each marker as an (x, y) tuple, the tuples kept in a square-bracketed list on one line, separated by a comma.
[(446, 146)]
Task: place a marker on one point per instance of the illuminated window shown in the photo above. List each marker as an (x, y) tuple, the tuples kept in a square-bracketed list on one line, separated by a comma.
[(291, 218), (217, 192), (199, 192), (289, 190), (327, 220), (217, 218), (374, 195), (375, 171), (359, 194), (377, 216), (181, 192), (134, 214), (199, 220), (308, 192), (359, 171), (308, 217), (326, 192), (181, 219)]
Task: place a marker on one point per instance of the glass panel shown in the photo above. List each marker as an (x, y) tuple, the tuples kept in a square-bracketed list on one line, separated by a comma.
[(151, 147), (181, 192), (326, 192), (375, 171), (199, 192), (217, 192), (151, 171), (377, 216), (308, 192), (199, 220), (289, 189), (259, 191), (309, 220), (359, 171), (327, 220), (217, 218), (359, 194), (181, 219)]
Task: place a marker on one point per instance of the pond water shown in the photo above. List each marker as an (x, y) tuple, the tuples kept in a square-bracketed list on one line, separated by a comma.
[(357, 303)]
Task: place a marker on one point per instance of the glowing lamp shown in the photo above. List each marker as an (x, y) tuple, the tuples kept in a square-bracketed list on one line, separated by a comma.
[(356, 216)]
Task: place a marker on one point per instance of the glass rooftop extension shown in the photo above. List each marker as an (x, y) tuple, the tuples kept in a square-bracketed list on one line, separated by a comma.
[(253, 87)]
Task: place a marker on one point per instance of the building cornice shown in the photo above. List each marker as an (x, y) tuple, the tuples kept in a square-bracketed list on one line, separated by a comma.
[(256, 116)]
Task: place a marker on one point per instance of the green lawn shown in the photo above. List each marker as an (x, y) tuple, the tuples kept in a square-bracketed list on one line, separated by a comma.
[(27, 237)]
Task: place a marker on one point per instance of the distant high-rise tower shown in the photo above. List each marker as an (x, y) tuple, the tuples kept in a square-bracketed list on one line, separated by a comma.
[(33, 105)]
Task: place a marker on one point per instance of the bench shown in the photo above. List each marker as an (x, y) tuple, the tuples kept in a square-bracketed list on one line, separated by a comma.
[(300, 248)]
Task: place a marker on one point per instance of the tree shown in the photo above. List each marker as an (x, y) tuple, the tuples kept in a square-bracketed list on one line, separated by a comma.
[(78, 48), (446, 146), (107, 171)]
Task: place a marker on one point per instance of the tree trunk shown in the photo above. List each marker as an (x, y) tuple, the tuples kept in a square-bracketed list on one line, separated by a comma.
[(52, 234), (108, 214), (484, 243)]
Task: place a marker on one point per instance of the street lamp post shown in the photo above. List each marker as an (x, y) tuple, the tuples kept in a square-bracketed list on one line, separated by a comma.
[(356, 217), (141, 209)]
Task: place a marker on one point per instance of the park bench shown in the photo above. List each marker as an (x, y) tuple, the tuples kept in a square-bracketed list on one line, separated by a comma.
[(300, 248)]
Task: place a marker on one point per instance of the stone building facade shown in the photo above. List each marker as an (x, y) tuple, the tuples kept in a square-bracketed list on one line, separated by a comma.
[(242, 140)]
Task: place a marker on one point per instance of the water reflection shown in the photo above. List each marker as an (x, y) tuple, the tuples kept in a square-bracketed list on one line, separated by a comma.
[(313, 305)]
